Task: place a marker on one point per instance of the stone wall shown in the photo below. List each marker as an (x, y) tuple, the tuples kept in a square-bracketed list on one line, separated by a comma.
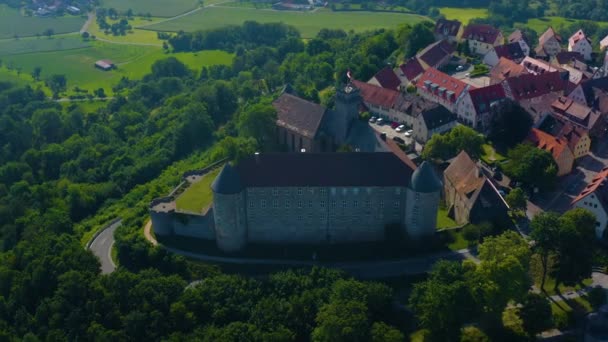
[(421, 213), (198, 226)]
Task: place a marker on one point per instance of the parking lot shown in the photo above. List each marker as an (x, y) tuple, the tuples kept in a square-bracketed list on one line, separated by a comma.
[(391, 133)]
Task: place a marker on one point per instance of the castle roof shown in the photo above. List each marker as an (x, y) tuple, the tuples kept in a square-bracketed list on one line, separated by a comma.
[(425, 180), (483, 97), (298, 115), (441, 84), (227, 181), (324, 169), (527, 86)]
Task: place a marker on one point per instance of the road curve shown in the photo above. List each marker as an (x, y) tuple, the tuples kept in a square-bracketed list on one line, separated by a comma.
[(101, 246)]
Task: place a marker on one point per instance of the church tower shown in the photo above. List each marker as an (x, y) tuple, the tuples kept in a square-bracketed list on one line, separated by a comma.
[(346, 112), (422, 202)]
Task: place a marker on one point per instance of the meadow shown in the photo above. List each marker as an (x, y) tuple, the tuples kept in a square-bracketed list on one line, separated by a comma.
[(464, 15), (132, 61), (540, 25), (133, 36), (13, 23), (156, 8), (308, 23), (43, 44)]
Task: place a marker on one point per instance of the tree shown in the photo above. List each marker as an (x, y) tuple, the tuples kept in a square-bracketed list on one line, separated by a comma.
[(85, 35), (545, 229), (575, 246), (448, 145), (342, 321), (170, 67), (473, 334), (510, 124), (517, 199), (382, 332), (49, 32), (535, 314), (420, 36), (57, 83), (100, 93), (259, 122), (36, 73), (531, 166)]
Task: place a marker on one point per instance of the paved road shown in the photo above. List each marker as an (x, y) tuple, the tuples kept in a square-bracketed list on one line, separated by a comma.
[(102, 248)]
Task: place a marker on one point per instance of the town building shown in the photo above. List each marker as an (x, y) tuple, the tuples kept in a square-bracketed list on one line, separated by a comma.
[(315, 198), (469, 195), (447, 91), (527, 86), (558, 148), (519, 37), (594, 197), (409, 72), (510, 51), (437, 120), (549, 44), (579, 42), (482, 99), (580, 115), (504, 69), (436, 55), (577, 138), (105, 65), (386, 78), (481, 38), (539, 66), (450, 30), (592, 93)]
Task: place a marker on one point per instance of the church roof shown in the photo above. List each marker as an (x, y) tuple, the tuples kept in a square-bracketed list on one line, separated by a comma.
[(298, 115), (324, 169), (227, 182), (425, 180)]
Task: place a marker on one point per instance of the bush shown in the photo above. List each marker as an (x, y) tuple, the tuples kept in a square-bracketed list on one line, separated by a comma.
[(597, 297), (562, 319), (365, 116)]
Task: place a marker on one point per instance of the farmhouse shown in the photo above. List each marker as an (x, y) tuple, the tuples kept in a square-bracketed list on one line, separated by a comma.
[(481, 38), (105, 64), (436, 55), (576, 137), (519, 37), (580, 43), (409, 72), (510, 51)]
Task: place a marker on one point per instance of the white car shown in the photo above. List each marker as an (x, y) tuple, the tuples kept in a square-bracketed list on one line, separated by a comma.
[(459, 68), (380, 121), (372, 119), (409, 133), (400, 128)]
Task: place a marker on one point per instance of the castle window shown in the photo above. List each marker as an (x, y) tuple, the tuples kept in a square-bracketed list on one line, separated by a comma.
[(322, 204), (333, 204), (356, 191), (263, 204), (286, 192), (333, 191), (355, 204), (309, 216), (300, 218), (344, 191), (368, 204), (310, 204), (323, 191), (343, 204), (287, 204), (275, 192), (396, 205), (299, 204), (251, 204), (299, 191), (312, 191), (275, 203), (381, 204)]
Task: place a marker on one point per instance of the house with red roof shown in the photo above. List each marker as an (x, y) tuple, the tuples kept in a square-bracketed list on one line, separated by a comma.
[(436, 55), (577, 137), (386, 78), (579, 115), (549, 44), (510, 51), (504, 69), (527, 86), (482, 99), (594, 197), (481, 38), (450, 30), (409, 71), (558, 148), (579, 42), (519, 37), (447, 91)]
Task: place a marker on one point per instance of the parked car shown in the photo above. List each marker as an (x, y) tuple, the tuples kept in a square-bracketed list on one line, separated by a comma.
[(399, 140), (409, 133), (379, 121), (401, 128), (460, 68), (372, 119), (394, 125)]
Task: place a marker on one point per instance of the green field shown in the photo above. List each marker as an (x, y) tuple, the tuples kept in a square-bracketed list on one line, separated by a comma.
[(132, 61), (156, 8), (443, 220), (464, 15), (199, 195), (13, 23), (32, 45), (308, 23)]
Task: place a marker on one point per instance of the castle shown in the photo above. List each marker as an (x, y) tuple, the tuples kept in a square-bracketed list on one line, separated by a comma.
[(311, 198)]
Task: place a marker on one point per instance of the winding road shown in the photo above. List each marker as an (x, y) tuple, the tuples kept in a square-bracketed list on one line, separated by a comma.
[(101, 246)]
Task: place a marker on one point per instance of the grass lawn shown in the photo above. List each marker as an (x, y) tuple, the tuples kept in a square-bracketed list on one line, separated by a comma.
[(443, 221), (490, 155), (156, 8), (463, 14), (198, 195), (309, 24), (549, 287), (540, 25), (13, 23), (133, 62), (86, 106), (134, 36), (419, 335), (32, 45), (457, 240)]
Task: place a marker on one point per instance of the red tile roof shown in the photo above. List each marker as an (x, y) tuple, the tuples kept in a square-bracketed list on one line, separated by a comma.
[(596, 182), (387, 78), (538, 66), (572, 134), (411, 69), (511, 51), (481, 32), (506, 68), (298, 115), (433, 54), (376, 95), (566, 57), (446, 27), (483, 97), (528, 86), (550, 33), (516, 36), (568, 106), (441, 85), (578, 36), (547, 142)]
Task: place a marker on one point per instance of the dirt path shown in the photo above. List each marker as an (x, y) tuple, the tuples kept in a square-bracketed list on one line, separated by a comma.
[(90, 19)]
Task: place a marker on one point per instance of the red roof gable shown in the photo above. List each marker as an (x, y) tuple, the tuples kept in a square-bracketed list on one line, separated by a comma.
[(483, 97), (440, 84), (550, 33), (481, 32), (376, 95), (387, 78), (506, 68), (446, 27), (510, 51), (547, 142), (597, 181), (528, 86), (577, 36), (411, 69), (433, 54)]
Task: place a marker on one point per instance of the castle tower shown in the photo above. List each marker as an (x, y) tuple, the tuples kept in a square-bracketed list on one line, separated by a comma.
[(422, 202), (229, 210), (348, 99)]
